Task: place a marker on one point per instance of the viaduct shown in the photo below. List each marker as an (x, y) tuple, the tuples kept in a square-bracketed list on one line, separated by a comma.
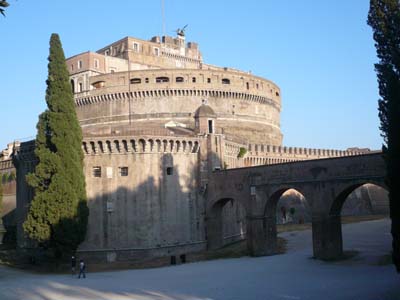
[(325, 184)]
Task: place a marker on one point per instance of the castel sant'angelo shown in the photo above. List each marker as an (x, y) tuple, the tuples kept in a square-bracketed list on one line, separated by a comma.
[(156, 122)]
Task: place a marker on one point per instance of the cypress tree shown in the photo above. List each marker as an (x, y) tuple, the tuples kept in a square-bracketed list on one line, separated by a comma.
[(1, 200), (384, 18), (58, 213)]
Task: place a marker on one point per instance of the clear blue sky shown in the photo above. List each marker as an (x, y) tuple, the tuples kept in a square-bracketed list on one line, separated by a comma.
[(320, 53)]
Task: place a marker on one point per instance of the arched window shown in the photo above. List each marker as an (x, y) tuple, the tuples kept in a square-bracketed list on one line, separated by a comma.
[(179, 79), (98, 84), (226, 81), (73, 85), (136, 80), (162, 79)]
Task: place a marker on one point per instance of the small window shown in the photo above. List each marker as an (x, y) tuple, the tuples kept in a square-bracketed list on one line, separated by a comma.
[(179, 79), (136, 47), (96, 63), (80, 87), (226, 81), (98, 84), (247, 85), (210, 126), (193, 79), (96, 171), (208, 80), (277, 94), (257, 86), (136, 80), (156, 51), (112, 70), (107, 52), (170, 170), (123, 171), (80, 64), (72, 67), (162, 79), (146, 80)]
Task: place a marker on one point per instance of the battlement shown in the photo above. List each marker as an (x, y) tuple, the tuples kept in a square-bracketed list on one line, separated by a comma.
[(144, 144)]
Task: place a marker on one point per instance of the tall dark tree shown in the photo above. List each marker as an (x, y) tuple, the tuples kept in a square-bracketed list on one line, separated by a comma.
[(3, 4), (384, 18), (1, 200), (58, 214)]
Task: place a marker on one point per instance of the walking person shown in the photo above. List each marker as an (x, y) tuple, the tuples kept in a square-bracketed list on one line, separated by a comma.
[(82, 268), (73, 264)]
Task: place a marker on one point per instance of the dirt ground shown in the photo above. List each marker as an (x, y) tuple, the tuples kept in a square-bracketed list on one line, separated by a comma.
[(10, 257)]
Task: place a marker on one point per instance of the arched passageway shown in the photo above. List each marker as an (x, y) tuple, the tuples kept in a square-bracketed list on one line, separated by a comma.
[(292, 208), (226, 223), (364, 198), (233, 222), (283, 206)]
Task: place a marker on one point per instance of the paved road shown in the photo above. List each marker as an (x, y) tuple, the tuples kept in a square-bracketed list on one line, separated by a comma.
[(294, 275)]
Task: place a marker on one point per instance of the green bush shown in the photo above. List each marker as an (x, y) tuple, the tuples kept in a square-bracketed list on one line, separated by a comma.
[(242, 152)]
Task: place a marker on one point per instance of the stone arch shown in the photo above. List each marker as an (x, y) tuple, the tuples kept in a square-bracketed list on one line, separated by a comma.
[(117, 146), (195, 147), (125, 145), (344, 192), (151, 144), (158, 143), (215, 222), (133, 145), (184, 146), (270, 215), (327, 229), (85, 148), (142, 145), (73, 86), (109, 146)]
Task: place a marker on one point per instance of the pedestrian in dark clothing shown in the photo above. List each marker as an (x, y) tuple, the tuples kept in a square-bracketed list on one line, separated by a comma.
[(82, 268), (73, 264)]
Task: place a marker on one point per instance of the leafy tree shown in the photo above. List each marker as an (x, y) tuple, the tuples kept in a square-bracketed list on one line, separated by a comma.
[(58, 214), (3, 4), (384, 18)]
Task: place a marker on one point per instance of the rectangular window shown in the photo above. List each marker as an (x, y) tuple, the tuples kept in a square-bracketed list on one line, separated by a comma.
[(210, 126), (79, 64), (193, 79), (170, 170), (96, 171), (156, 51), (123, 171), (96, 63), (208, 80), (136, 47)]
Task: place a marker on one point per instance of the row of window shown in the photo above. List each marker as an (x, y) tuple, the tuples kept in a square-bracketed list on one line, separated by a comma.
[(163, 79), (136, 47), (122, 171), (96, 64)]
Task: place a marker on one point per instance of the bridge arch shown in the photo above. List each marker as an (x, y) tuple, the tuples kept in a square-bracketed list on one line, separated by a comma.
[(270, 214), (328, 238), (225, 221)]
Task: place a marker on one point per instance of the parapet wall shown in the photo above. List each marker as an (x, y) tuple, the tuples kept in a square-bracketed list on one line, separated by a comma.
[(124, 145)]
